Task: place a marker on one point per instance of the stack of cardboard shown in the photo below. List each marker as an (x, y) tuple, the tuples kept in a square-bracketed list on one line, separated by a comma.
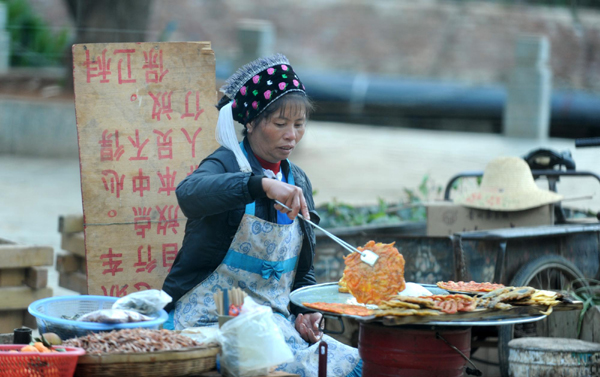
[(70, 262), (22, 281)]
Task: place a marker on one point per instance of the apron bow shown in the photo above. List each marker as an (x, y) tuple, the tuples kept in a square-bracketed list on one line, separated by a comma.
[(271, 269)]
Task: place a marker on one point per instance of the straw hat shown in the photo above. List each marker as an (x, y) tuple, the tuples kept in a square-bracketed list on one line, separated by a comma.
[(508, 185)]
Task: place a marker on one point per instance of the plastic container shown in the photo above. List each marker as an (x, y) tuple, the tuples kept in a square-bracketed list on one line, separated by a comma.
[(51, 315), (22, 364)]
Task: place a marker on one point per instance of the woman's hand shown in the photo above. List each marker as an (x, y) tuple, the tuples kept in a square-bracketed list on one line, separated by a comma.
[(287, 194), (308, 327)]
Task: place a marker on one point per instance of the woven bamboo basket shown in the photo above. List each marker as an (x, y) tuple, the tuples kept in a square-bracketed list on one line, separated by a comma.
[(176, 363)]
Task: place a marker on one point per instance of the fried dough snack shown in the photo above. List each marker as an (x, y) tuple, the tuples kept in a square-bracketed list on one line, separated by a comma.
[(403, 312), (339, 308), (342, 287), (373, 284)]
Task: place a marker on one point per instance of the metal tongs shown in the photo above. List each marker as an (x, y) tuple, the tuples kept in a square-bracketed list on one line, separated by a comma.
[(367, 256)]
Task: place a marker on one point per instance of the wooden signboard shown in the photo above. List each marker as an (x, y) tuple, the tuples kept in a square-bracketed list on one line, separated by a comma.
[(145, 119)]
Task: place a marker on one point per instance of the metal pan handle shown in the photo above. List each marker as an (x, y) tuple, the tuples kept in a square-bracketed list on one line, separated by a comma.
[(332, 317)]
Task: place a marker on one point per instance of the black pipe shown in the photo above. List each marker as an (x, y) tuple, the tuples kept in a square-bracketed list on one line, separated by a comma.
[(349, 95)]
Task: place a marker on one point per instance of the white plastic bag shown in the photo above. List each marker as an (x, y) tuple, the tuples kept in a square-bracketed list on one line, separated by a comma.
[(113, 316), (204, 334), (147, 302), (252, 343)]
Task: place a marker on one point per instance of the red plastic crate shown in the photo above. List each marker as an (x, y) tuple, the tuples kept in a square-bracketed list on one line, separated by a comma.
[(34, 364)]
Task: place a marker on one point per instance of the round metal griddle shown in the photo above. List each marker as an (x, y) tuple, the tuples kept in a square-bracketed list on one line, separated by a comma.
[(329, 293)]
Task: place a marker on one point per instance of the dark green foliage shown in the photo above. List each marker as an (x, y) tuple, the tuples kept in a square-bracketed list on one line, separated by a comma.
[(33, 43), (586, 291), (337, 214)]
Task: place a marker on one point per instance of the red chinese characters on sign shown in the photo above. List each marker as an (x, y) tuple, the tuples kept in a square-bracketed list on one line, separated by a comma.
[(113, 261), (192, 140), (161, 104), (145, 262), (140, 146), (141, 183), (169, 252), (168, 219), (154, 70), (124, 66), (115, 290), (141, 285), (167, 181), (97, 67), (141, 220), (198, 111), (165, 147), (128, 80), (116, 182), (107, 151)]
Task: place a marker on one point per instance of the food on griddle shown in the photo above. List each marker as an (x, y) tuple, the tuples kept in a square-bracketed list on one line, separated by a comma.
[(503, 295), (373, 284), (451, 304), (496, 293), (541, 297), (339, 308), (402, 306), (342, 287), (468, 286), (401, 312), (508, 297), (398, 304), (415, 290), (132, 341), (424, 302)]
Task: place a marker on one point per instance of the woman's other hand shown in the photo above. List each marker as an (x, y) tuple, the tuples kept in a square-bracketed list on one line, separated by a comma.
[(287, 194), (308, 327)]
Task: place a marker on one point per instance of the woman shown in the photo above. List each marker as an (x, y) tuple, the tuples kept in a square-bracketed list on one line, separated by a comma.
[(236, 236)]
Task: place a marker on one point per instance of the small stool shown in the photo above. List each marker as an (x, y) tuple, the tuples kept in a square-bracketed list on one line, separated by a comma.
[(536, 357)]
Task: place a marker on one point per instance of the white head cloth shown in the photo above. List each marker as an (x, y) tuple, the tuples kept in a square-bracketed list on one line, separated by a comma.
[(225, 135)]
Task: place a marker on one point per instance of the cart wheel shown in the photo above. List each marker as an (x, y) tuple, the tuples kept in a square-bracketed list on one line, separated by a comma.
[(548, 272)]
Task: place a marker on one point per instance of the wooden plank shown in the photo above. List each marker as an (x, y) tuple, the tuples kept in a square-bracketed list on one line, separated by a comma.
[(75, 281), (141, 131), (70, 223), (36, 277), (12, 277), (10, 320), (590, 328), (17, 256), (66, 263), (74, 243), (21, 297), (563, 324)]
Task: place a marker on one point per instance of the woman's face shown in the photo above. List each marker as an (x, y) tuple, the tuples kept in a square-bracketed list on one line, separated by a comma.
[(275, 138)]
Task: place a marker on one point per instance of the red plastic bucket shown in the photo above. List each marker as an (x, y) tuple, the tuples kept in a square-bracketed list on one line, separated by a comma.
[(412, 350)]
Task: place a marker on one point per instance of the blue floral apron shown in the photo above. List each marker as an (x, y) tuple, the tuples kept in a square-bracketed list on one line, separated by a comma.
[(262, 260)]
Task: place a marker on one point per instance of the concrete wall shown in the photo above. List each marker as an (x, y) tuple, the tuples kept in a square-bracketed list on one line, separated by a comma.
[(457, 40), (38, 128)]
